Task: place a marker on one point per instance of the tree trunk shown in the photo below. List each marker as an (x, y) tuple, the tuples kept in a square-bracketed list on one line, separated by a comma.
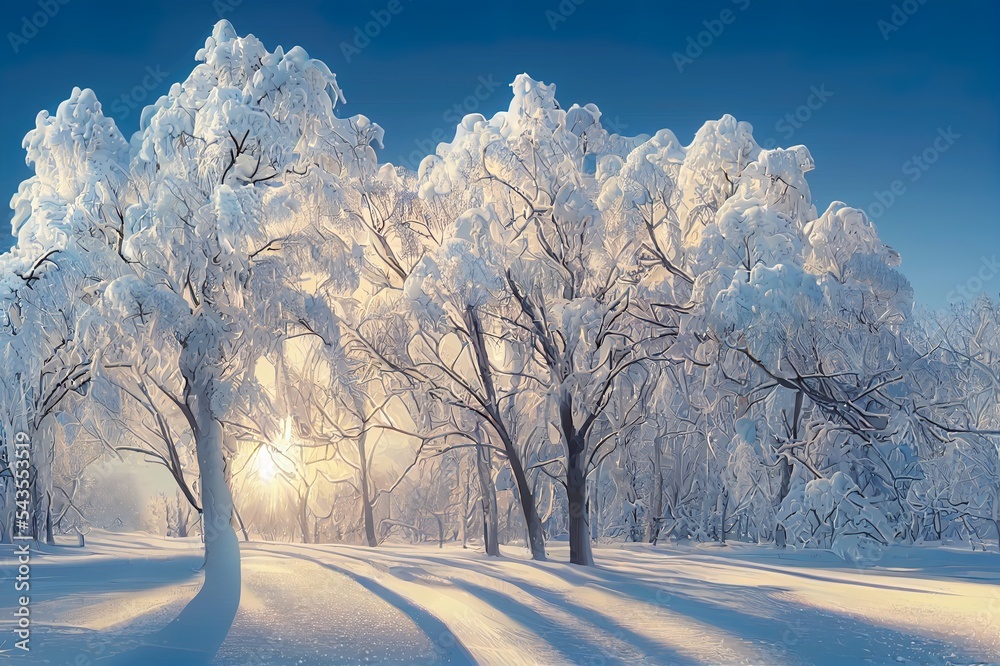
[(506, 522), (536, 538), (6, 536), (440, 522), (36, 506), (594, 505), (996, 514), (366, 500), (785, 471), (7, 504), (725, 508), (50, 538), (785, 466), (196, 634), (653, 525), (222, 551), (239, 521), (579, 521), (304, 515), (491, 519), (576, 484), (463, 522)]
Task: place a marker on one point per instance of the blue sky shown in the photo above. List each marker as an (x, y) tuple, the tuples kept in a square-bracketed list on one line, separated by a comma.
[(888, 81)]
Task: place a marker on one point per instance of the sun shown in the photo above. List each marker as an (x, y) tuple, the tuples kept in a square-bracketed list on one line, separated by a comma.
[(264, 464)]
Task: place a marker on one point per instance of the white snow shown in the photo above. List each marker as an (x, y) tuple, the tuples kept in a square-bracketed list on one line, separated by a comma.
[(334, 604)]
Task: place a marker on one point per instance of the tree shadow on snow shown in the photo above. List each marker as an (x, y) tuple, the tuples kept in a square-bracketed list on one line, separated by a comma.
[(436, 630), (756, 614), (572, 643), (819, 636)]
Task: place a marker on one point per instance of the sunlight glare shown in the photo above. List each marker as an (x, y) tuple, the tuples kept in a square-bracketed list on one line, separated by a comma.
[(266, 469), (264, 463)]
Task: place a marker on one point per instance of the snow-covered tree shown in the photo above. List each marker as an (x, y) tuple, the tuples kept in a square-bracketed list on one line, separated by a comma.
[(456, 295), (66, 238), (205, 213), (531, 179)]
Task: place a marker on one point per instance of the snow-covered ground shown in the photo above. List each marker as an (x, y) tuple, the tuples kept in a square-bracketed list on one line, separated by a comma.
[(405, 604)]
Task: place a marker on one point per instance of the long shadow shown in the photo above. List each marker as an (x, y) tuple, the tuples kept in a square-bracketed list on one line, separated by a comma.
[(926, 563), (832, 579), (439, 633), (824, 636), (69, 645), (793, 570), (820, 636), (721, 591), (577, 649), (95, 575), (91, 576)]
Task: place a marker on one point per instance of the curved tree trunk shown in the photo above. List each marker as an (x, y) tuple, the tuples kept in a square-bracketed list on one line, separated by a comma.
[(219, 598), (196, 634), (536, 537), (203, 624)]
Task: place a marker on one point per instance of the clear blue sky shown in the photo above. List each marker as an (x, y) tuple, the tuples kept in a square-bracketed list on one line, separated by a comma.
[(888, 91)]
